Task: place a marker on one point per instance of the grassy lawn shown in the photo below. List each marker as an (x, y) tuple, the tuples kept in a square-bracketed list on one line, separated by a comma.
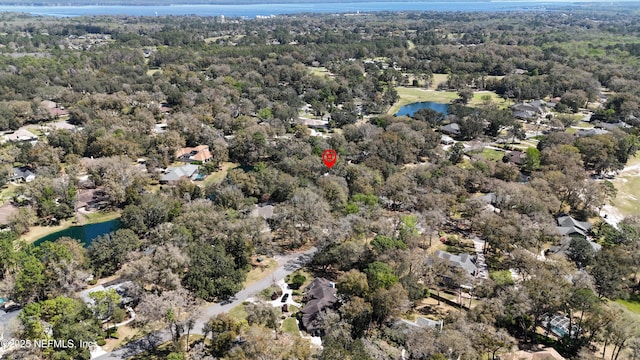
[(36, 232), (8, 191), (628, 186), (260, 272), (303, 273), (437, 80), (632, 304), (429, 306), (410, 95), (220, 175), (319, 71), (495, 98), (289, 326), (238, 312), (163, 350), (583, 125), (125, 334), (100, 216), (492, 154)]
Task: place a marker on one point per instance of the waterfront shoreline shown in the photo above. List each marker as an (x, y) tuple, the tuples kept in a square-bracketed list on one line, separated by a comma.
[(37, 232)]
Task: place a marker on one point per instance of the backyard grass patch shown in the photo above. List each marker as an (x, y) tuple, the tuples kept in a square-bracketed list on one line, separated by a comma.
[(492, 154), (8, 191), (100, 216), (502, 277), (290, 326), (218, 176)]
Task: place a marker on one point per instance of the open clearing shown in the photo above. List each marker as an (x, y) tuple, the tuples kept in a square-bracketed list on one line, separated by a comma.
[(410, 95), (492, 154), (320, 71), (632, 304), (260, 272), (627, 183), (217, 176)]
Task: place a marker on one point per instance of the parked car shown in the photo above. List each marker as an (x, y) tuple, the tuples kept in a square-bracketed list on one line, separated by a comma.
[(285, 308), (284, 298), (11, 306)]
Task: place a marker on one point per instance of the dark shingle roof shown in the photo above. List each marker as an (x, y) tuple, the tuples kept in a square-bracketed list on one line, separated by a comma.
[(568, 225), (320, 294)]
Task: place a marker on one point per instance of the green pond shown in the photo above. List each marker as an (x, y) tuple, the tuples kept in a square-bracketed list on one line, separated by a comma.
[(85, 233)]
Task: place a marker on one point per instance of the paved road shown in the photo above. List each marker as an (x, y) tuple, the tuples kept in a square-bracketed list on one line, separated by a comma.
[(6, 323), (287, 265)]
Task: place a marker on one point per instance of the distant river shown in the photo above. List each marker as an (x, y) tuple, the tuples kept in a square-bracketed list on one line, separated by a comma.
[(251, 11)]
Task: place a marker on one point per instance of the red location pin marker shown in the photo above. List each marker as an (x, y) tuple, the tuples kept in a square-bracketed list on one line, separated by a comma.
[(329, 157)]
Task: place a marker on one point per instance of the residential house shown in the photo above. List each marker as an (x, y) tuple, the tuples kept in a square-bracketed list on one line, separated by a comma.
[(319, 295), (591, 132), (559, 324), (264, 211), (421, 322), (491, 201), (160, 128), (450, 129), (174, 174), (20, 135), (462, 261), (22, 174), (565, 243), (515, 157), (611, 126), (62, 125), (316, 123), (531, 110), (198, 154), (446, 140), (568, 228), (542, 354), (54, 109), (120, 288)]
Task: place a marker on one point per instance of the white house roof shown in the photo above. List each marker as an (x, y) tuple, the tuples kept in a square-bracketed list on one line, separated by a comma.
[(176, 173), (20, 135)]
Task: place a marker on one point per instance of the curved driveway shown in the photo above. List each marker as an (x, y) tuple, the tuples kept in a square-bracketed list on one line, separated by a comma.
[(287, 265)]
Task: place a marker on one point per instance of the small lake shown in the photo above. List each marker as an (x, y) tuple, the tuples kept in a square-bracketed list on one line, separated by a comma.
[(410, 109), (85, 233)]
